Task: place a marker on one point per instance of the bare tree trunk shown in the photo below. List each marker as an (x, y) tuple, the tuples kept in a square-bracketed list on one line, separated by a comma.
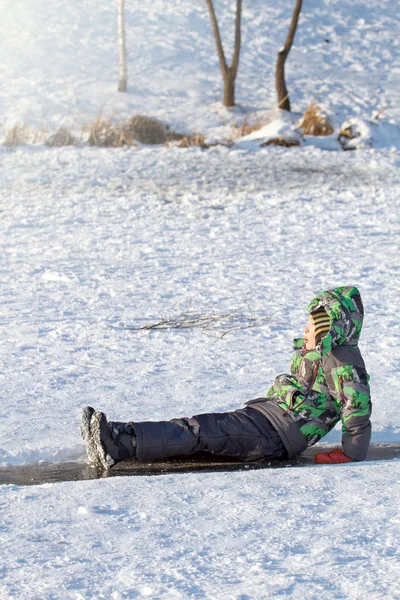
[(283, 94), (123, 70), (228, 72), (229, 89)]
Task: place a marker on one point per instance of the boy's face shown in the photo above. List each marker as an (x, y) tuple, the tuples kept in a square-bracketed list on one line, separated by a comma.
[(309, 334)]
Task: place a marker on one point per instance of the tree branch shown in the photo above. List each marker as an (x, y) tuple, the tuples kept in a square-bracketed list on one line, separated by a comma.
[(218, 325), (235, 59), (283, 94), (293, 28), (123, 71), (217, 35)]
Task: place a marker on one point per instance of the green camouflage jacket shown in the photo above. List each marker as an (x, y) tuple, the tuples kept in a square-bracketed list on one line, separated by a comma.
[(326, 385)]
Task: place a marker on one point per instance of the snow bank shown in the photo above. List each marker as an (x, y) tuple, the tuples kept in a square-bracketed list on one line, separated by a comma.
[(359, 133), (353, 133), (319, 532)]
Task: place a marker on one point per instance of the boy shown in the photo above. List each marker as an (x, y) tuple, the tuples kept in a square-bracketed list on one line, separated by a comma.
[(328, 383)]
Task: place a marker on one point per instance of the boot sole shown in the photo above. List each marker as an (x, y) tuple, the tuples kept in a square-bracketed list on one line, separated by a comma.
[(103, 458), (86, 434)]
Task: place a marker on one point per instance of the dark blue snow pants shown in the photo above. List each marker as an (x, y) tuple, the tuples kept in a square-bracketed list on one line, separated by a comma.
[(245, 434)]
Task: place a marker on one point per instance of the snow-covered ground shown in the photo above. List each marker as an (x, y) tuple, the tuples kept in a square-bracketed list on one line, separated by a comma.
[(61, 65), (320, 533), (93, 241)]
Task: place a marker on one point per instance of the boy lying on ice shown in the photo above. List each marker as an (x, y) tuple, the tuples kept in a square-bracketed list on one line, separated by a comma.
[(328, 383)]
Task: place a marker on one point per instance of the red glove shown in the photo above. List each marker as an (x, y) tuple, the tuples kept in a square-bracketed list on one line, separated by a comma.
[(336, 456)]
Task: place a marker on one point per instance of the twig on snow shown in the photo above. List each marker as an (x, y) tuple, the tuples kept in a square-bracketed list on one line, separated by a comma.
[(216, 324)]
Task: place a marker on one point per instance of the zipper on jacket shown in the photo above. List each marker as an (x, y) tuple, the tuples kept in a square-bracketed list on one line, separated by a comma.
[(341, 390)]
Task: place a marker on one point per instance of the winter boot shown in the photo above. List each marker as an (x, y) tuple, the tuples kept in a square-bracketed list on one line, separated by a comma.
[(86, 434), (113, 441)]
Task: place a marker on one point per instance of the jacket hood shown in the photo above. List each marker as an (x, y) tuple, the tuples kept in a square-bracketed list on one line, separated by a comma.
[(345, 309)]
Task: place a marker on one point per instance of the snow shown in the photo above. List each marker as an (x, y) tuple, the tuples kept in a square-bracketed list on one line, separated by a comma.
[(281, 125), (371, 133), (93, 241), (317, 533), (352, 134), (60, 67)]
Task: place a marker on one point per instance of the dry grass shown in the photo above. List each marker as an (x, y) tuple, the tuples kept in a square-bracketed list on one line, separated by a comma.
[(282, 141), (315, 123), (23, 134), (16, 136), (345, 136), (147, 130), (247, 126), (104, 132), (347, 133), (62, 137), (377, 114), (189, 141)]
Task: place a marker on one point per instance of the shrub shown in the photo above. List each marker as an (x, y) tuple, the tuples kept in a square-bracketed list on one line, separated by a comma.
[(315, 123), (188, 141), (62, 137), (22, 134), (104, 132), (147, 130)]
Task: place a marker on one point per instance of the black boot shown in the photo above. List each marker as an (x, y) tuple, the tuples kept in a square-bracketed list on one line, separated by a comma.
[(114, 441)]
